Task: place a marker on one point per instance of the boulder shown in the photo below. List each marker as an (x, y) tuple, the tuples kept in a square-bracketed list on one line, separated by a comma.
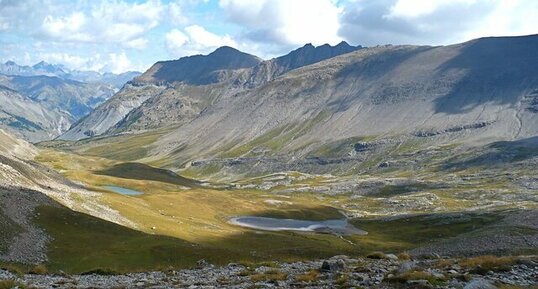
[(333, 266)]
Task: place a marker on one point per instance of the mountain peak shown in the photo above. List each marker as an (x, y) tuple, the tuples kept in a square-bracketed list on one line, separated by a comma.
[(309, 54), (199, 69), (225, 49), (343, 44)]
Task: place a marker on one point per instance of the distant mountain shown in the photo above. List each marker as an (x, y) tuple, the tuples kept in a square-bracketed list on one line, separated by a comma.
[(47, 69), (174, 92), (28, 119), (55, 93), (12, 68), (44, 68), (116, 80)]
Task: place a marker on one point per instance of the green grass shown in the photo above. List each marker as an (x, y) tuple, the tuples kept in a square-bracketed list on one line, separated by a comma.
[(316, 214), (83, 243), (417, 275), (139, 171), (10, 284), (406, 233), (121, 147), (277, 138)]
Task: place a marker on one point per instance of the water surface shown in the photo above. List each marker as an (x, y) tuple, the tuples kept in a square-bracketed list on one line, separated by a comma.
[(337, 226), (123, 191)]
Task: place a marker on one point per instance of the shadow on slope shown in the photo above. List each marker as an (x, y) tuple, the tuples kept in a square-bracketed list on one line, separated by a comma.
[(497, 153), (496, 70), (139, 171), (401, 234), (82, 243)]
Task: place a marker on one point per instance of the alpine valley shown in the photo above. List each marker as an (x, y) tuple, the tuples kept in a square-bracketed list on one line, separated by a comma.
[(394, 166)]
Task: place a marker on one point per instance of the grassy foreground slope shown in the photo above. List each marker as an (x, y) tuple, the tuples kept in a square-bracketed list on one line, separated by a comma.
[(82, 243)]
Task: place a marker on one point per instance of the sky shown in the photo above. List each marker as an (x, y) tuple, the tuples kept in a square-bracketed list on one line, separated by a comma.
[(122, 35)]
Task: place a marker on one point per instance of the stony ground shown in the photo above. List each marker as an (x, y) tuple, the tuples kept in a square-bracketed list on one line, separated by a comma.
[(338, 272), (30, 244)]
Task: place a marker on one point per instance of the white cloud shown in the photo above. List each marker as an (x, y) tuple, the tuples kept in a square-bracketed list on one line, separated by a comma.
[(414, 8), (107, 22), (436, 22), (516, 17), (4, 25), (195, 39), (139, 43), (175, 40), (118, 62), (175, 13), (288, 22), (112, 62), (70, 61)]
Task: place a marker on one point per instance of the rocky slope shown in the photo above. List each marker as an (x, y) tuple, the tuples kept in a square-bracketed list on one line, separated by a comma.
[(479, 91), (76, 98), (29, 119), (54, 99), (476, 92), (26, 185), (388, 271), (189, 85)]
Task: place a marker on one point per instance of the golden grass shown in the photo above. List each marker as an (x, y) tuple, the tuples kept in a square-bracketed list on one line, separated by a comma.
[(404, 256), (443, 263), (308, 277), (416, 275), (9, 284), (40, 269), (271, 275), (489, 263)]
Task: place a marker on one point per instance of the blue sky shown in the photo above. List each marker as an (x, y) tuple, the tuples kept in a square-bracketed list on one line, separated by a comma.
[(123, 35)]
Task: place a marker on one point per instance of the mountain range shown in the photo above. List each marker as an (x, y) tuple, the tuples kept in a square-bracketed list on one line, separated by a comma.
[(43, 100), (58, 70), (319, 101)]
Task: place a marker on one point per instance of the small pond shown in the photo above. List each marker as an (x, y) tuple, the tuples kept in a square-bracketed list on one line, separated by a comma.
[(123, 191), (337, 226)]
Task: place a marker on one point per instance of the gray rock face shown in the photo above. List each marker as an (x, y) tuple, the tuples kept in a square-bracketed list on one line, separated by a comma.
[(28, 119)]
